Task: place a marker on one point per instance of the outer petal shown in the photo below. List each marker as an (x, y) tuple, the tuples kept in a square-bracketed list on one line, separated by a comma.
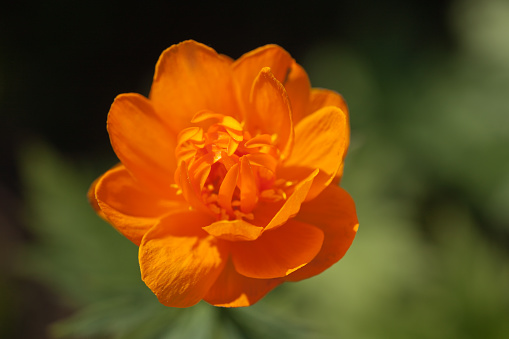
[(179, 261), (321, 98), (333, 211), (270, 111), (278, 252), (234, 290), (93, 201), (298, 88), (191, 77), (130, 208), (142, 142), (285, 70), (320, 142), (247, 67), (324, 97)]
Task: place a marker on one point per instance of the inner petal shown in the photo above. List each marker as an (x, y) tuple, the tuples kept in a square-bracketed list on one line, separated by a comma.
[(248, 188), (225, 169)]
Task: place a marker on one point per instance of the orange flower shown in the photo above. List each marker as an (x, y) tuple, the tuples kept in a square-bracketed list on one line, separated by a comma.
[(228, 176)]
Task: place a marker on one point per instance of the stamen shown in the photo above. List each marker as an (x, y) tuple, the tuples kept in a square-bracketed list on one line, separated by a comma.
[(215, 209), (289, 183), (241, 216), (212, 198), (273, 195), (282, 193), (274, 138)]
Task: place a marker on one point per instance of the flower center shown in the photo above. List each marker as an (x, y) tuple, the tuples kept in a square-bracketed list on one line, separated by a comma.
[(225, 171)]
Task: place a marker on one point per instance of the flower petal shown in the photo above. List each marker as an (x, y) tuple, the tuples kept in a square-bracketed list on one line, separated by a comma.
[(321, 98), (234, 290), (270, 111), (179, 261), (333, 211), (227, 188), (285, 70), (131, 209), (189, 192), (247, 67), (92, 199), (289, 208), (298, 87), (191, 77), (320, 142), (142, 142), (278, 252), (247, 184), (234, 230)]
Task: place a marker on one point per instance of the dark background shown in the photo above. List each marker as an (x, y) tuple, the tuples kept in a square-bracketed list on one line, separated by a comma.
[(64, 61)]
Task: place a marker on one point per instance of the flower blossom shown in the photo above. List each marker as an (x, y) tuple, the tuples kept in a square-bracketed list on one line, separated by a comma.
[(228, 176)]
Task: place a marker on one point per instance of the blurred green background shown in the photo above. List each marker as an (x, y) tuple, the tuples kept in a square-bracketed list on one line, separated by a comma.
[(427, 84)]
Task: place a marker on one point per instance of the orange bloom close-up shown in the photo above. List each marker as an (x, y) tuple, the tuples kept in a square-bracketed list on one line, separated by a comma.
[(228, 176)]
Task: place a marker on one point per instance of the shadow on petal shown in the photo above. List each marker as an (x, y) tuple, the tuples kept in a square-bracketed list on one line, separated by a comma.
[(179, 261), (232, 289), (333, 211)]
